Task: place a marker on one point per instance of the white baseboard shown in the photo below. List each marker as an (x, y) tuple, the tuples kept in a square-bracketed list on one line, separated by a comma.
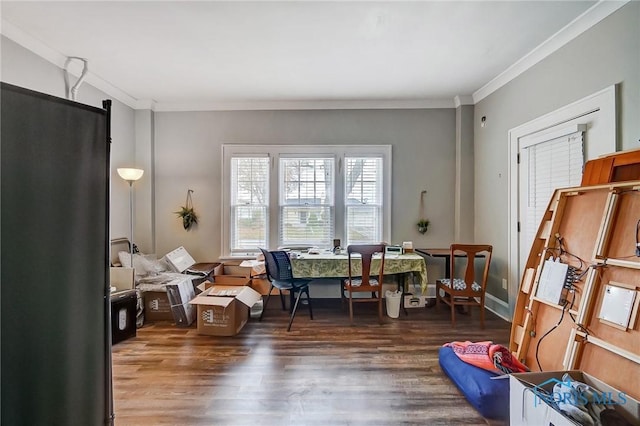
[(492, 303), (497, 306)]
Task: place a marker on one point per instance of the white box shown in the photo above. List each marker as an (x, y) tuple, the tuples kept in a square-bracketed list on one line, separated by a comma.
[(415, 300), (179, 259), (528, 403), (179, 294)]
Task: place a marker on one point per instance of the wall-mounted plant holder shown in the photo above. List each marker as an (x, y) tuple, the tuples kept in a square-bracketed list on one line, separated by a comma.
[(187, 214), (423, 223)]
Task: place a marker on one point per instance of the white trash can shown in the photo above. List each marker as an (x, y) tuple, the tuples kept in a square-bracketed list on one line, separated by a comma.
[(393, 303)]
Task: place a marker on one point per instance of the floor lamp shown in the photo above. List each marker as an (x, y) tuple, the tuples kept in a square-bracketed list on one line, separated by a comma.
[(130, 175)]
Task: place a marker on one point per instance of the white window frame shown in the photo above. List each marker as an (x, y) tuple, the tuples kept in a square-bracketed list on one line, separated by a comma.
[(339, 152)]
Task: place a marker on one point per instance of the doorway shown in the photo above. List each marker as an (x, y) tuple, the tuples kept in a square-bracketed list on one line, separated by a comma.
[(586, 129)]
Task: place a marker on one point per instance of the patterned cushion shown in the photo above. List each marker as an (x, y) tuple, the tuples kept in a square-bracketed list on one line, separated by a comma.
[(356, 282), (459, 284)]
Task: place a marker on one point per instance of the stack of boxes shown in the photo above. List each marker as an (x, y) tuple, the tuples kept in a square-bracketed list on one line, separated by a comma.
[(220, 297)]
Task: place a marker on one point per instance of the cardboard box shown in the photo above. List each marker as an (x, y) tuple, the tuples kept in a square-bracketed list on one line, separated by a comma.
[(179, 294), (203, 271), (157, 306), (258, 282), (262, 286), (529, 393), (224, 310), (232, 268), (121, 279), (415, 300)]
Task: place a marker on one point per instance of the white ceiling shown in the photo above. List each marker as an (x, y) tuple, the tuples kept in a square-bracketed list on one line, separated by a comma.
[(210, 55)]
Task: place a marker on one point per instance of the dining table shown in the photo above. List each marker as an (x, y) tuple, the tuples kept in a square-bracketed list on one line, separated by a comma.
[(326, 264)]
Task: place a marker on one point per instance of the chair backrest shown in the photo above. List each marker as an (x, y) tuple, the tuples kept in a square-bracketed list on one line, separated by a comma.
[(366, 252), (277, 264), (472, 252)]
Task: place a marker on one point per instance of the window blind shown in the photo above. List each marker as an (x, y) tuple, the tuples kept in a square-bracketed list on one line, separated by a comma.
[(363, 199), (249, 214), (306, 201), (553, 164)]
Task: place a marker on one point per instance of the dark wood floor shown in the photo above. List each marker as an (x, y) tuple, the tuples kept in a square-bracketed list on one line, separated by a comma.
[(323, 372)]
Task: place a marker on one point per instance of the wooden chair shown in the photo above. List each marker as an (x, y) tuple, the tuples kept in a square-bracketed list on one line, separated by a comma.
[(364, 283), (280, 275), (467, 291)]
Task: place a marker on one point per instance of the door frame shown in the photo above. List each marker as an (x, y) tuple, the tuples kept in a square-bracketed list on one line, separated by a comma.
[(603, 101)]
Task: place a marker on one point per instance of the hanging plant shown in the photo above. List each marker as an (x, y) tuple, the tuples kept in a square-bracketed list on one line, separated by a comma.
[(423, 225), (187, 214)]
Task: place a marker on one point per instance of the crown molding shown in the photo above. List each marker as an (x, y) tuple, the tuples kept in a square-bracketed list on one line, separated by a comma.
[(586, 20), (459, 100), (41, 49), (145, 104), (303, 105), (573, 29)]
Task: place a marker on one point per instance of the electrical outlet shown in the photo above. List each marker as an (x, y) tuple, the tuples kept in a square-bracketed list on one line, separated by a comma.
[(504, 283)]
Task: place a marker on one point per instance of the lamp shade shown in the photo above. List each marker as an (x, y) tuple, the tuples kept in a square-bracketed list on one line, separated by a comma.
[(130, 174)]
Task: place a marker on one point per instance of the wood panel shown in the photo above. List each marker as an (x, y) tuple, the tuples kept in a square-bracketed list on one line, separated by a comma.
[(615, 370), (618, 167), (322, 372), (622, 242), (552, 344)]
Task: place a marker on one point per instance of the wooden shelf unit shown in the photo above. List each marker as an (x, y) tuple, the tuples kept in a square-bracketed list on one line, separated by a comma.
[(597, 227)]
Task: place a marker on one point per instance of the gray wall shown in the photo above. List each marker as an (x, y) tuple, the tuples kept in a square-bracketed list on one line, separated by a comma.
[(188, 149), (23, 68), (607, 54)]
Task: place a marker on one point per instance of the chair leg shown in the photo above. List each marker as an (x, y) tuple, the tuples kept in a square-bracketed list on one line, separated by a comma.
[(295, 308), (292, 297), (453, 311), (380, 310), (284, 308), (306, 291), (350, 308), (266, 302), (482, 313)]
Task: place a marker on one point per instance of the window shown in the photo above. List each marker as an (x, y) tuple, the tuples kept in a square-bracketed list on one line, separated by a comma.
[(304, 195), (306, 201), (249, 209), (363, 200)]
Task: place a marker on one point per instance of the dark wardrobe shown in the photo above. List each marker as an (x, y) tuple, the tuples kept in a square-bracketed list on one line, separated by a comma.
[(56, 344)]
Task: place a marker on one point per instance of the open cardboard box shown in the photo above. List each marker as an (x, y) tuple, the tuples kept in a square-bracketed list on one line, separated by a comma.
[(258, 282), (528, 403), (223, 310), (121, 279)]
